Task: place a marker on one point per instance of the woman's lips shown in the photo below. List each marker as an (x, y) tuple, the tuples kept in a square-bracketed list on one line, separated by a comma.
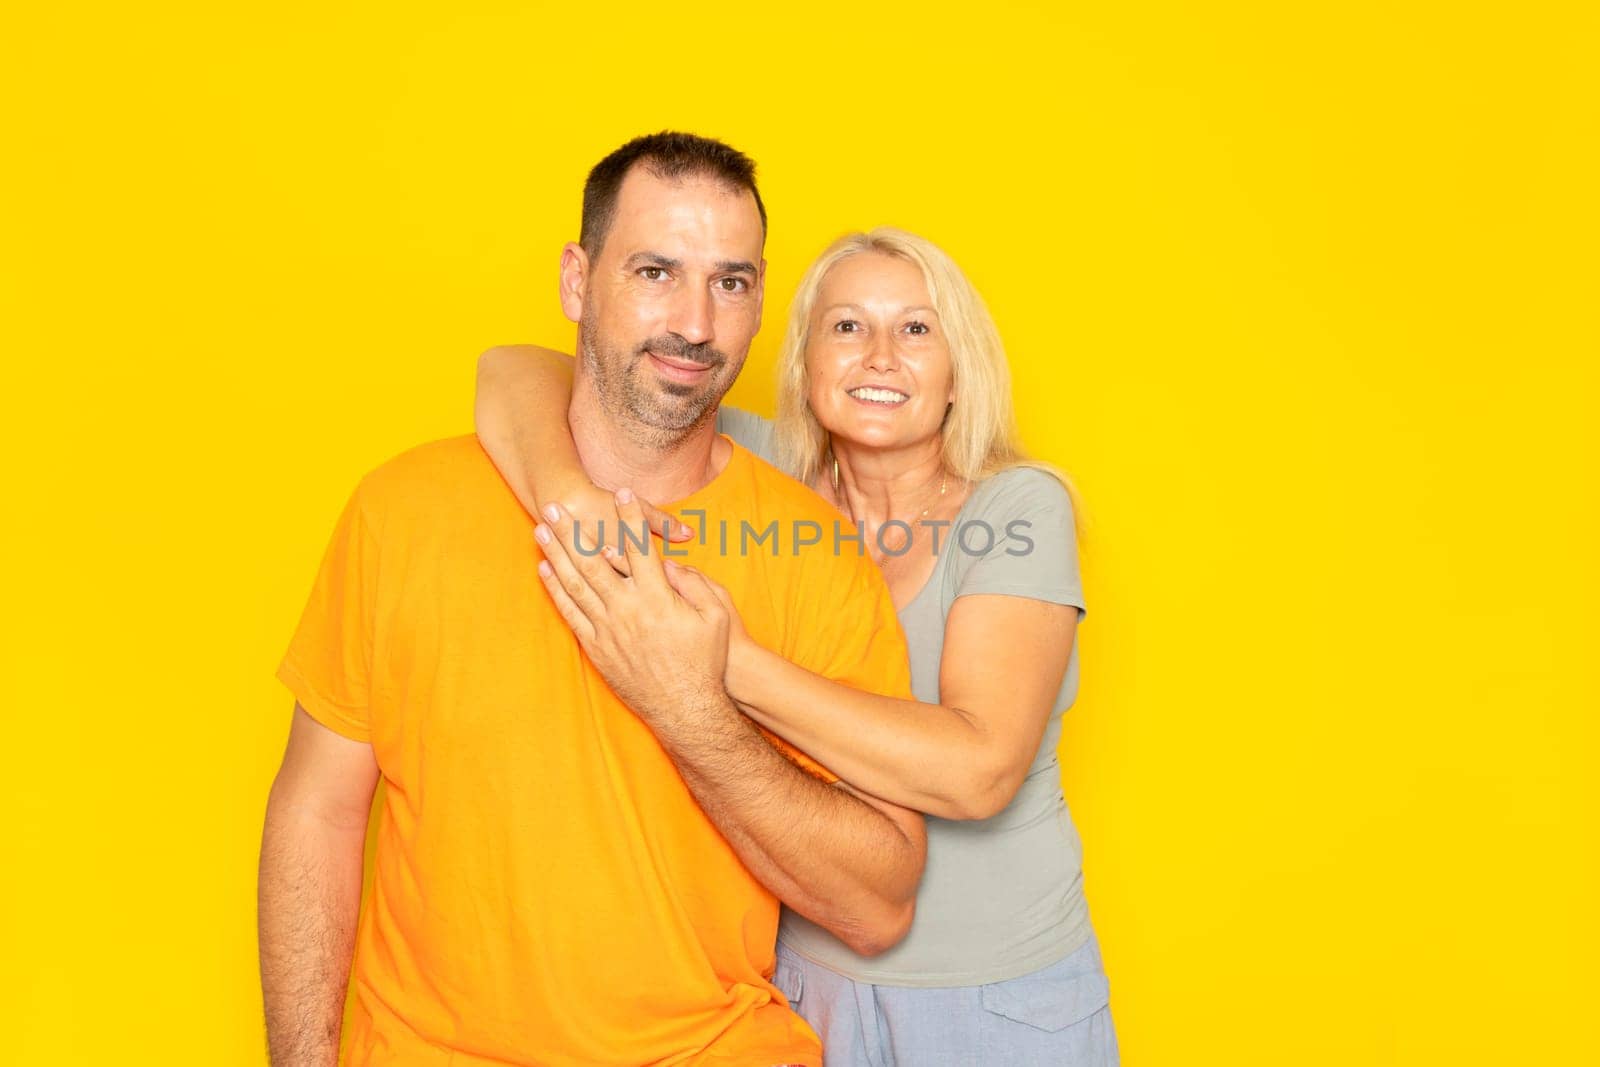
[(877, 397)]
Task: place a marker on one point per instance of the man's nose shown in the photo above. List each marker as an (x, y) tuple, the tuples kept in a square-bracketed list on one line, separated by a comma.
[(691, 317)]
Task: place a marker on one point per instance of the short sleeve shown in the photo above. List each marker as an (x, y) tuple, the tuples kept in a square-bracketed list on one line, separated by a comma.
[(750, 430), (863, 645), (328, 665), (1021, 542), (852, 636)]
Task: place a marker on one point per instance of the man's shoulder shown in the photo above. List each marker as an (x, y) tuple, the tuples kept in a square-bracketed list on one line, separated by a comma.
[(781, 495), (820, 546), (447, 473), (844, 622)]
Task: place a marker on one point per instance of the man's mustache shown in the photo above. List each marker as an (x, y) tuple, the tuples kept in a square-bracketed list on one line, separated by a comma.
[(670, 344)]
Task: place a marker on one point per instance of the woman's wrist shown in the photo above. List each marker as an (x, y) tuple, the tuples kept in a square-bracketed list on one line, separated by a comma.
[(571, 489), (744, 668)]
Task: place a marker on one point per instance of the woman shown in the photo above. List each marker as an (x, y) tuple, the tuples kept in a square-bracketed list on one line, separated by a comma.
[(894, 405)]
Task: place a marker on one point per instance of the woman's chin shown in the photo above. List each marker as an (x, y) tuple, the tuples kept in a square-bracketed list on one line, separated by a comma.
[(877, 437)]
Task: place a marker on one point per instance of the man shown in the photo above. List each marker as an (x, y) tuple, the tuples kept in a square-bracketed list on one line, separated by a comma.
[(559, 880)]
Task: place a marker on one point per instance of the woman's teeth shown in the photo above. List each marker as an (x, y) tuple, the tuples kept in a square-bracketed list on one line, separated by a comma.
[(878, 396)]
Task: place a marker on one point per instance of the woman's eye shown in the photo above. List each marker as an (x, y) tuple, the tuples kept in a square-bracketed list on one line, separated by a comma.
[(918, 328), (847, 326)]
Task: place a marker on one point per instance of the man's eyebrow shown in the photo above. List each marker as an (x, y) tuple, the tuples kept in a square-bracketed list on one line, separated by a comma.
[(653, 259), (736, 266)]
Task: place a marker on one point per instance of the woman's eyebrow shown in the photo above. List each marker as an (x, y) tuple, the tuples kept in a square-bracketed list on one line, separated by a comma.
[(903, 311)]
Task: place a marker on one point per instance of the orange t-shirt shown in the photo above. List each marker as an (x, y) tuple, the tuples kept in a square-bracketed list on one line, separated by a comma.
[(546, 889)]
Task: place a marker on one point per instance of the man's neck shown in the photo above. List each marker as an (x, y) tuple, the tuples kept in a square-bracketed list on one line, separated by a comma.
[(614, 458)]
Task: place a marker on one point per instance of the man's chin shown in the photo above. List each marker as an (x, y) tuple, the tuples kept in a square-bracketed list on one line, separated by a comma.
[(670, 415), (680, 404)]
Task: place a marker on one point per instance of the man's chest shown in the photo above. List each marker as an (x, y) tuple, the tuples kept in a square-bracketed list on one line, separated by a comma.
[(470, 656)]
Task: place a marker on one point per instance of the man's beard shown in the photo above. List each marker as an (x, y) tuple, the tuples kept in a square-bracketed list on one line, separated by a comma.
[(654, 411)]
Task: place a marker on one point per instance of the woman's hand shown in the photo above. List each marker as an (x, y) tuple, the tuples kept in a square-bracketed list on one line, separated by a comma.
[(592, 513), (743, 652), (663, 651)]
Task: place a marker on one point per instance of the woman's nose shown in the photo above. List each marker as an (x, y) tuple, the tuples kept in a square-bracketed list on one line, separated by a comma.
[(880, 354)]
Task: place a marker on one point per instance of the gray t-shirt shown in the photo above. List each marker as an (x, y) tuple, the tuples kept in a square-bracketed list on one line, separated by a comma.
[(1003, 896)]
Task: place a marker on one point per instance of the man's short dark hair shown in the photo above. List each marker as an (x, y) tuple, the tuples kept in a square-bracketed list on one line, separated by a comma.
[(668, 155)]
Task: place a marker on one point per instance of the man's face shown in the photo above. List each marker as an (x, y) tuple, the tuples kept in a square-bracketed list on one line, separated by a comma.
[(667, 310)]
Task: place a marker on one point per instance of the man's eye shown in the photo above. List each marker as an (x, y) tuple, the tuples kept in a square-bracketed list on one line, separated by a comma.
[(732, 285), (918, 328), (653, 274)]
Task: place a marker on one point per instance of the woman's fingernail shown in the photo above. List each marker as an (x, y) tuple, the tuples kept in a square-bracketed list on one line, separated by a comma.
[(541, 534), (624, 495), (545, 570), (552, 512)]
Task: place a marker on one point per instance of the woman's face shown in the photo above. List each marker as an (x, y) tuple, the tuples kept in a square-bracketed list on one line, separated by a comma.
[(877, 358)]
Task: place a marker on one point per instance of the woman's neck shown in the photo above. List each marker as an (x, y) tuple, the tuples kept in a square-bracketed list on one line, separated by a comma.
[(874, 486)]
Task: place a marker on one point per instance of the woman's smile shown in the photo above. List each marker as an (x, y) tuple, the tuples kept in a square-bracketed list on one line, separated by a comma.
[(878, 397)]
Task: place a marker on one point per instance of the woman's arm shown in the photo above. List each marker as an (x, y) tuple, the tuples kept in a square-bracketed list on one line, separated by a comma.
[(521, 417), (845, 860), (520, 414), (1001, 670)]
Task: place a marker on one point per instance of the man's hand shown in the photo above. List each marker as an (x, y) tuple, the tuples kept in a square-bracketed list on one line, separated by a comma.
[(664, 655), (844, 860)]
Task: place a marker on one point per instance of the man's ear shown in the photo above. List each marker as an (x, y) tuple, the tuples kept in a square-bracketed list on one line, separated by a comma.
[(574, 273), (761, 291)]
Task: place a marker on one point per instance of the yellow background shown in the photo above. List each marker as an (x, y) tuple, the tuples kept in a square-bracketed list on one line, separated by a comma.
[(1303, 297)]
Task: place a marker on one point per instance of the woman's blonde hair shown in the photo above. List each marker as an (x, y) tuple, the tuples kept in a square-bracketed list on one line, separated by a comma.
[(979, 435)]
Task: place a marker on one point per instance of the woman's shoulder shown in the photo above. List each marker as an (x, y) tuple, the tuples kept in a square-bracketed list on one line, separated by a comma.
[(747, 428), (1021, 491), (1023, 518), (1018, 505)]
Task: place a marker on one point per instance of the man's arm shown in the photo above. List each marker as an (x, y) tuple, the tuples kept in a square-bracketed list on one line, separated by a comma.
[(844, 860), (310, 889), (847, 862)]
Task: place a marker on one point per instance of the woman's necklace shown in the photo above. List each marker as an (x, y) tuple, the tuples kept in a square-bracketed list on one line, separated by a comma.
[(944, 483)]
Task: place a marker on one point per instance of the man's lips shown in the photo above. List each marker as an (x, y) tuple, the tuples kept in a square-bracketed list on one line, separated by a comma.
[(681, 370)]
